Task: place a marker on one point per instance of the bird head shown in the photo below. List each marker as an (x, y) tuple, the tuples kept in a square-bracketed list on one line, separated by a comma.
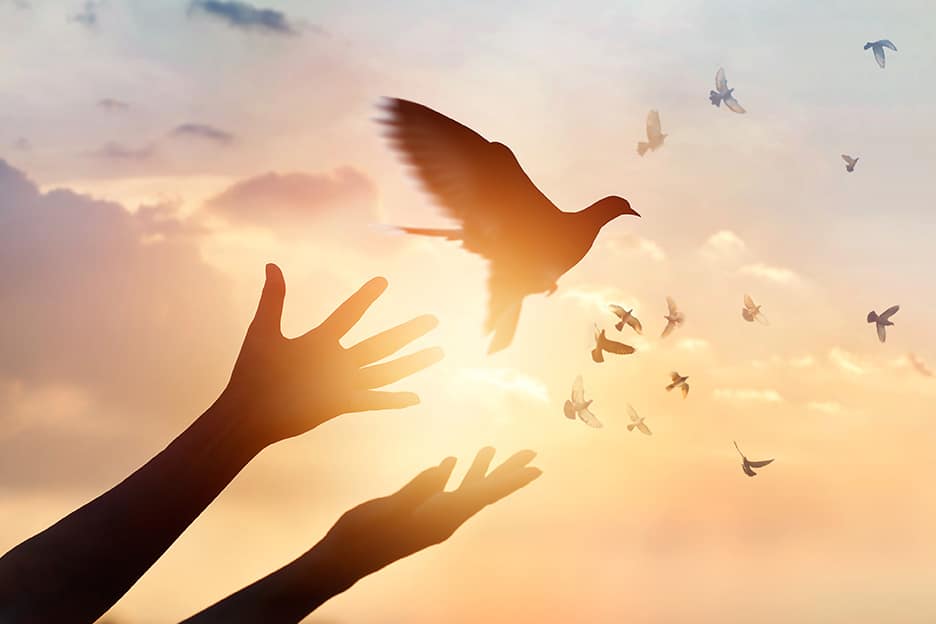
[(868, 45), (611, 207)]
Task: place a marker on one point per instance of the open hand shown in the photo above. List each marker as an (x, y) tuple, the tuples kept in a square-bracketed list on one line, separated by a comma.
[(285, 387)]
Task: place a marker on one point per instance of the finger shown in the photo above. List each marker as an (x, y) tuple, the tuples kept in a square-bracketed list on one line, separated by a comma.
[(392, 340), (479, 467), (350, 312), (270, 309), (508, 484), (425, 484), (383, 374), (514, 463), (369, 400)]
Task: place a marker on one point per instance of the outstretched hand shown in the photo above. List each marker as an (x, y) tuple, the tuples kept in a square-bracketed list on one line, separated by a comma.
[(285, 387), (381, 531)]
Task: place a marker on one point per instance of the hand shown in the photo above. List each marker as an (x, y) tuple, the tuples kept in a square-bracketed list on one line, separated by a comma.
[(286, 387), (383, 530)]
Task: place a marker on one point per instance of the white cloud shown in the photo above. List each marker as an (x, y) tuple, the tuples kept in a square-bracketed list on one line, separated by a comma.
[(631, 243), (692, 344), (846, 361), (599, 297), (747, 394), (724, 244), (506, 380), (826, 407), (778, 275)]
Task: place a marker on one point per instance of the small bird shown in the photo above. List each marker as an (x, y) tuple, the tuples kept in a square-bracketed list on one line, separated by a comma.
[(679, 382), (578, 406), (655, 134), (878, 48), (627, 318), (747, 465), (674, 318), (752, 312), (637, 421), (849, 162), (528, 242), (723, 94), (883, 320), (603, 343)]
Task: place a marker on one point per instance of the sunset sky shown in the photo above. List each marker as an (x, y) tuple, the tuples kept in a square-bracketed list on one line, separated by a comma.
[(155, 155)]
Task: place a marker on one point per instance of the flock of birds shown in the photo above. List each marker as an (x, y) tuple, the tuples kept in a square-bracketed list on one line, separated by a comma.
[(527, 240)]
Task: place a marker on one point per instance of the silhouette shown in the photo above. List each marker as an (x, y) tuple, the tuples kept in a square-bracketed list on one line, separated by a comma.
[(502, 216), (637, 421), (655, 134), (627, 318), (723, 94), (849, 162), (372, 536), (578, 406), (878, 48), (751, 312), (79, 567), (605, 344), (679, 382), (747, 465), (674, 318), (883, 320)]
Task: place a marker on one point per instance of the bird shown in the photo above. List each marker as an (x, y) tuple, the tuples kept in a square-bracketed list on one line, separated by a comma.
[(723, 94), (747, 465), (578, 406), (637, 421), (882, 320), (655, 134), (849, 162), (528, 241), (603, 343), (679, 382), (878, 48), (627, 318), (674, 318), (752, 312)]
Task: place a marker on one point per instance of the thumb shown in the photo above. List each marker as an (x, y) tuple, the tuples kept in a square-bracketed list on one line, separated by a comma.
[(270, 309)]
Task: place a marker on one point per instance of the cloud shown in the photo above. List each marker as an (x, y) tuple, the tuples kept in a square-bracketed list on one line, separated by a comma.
[(804, 361), (723, 244), (507, 381), (778, 275), (598, 298), (112, 105), (692, 344), (826, 407), (119, 152), (87, 16), (245, 16), (631, 243), (846, 361), (203, 131), (747, 395)]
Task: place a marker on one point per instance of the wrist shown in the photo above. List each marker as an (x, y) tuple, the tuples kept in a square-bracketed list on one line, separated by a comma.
[(231, 421)]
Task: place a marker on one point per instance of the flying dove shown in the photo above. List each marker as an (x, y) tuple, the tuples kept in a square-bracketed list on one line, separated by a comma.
[(878, 48), (849, 162), (679, 382), (655, 134), (674, 318), (627, 318), (637, 421), (723, 94), (747, 465), (752, 312), (883, 320), (578, 406), (603, 343)]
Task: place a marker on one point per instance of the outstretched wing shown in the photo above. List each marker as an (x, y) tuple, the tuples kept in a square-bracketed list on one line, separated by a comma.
[(643, 428), (613, 346), (849, 160), (721, 84), (618, 310), (748, 302), (760, 318), (733, 104), (887, 44), (759, 464), (670, 325), (671, 306), (889, 312), (632, 413), (882, 332), (747, 470), (879, 55), (675, 376), (685, 390), (590, 419), (635, 324), (654, 129), (578, 391), (747, 314)]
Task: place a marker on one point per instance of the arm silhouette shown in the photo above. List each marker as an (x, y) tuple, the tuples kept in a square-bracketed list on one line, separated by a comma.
[(79, 567), (371, 536)]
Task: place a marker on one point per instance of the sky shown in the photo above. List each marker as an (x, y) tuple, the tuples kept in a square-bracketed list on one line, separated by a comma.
[(155, 155)]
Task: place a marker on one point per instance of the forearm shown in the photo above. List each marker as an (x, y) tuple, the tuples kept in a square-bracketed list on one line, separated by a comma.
[(285, 596), (78, 568)]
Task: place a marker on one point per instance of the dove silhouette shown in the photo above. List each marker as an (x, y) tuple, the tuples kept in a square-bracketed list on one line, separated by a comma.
[(723, 94), (877, 47), (747, 465), (577, 406)]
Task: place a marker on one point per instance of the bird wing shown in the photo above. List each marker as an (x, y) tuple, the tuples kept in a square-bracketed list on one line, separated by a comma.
[(889, 312), (578, 391), (733, 104), (635, 324), (721, 84), (878, 54), (569, 410), (589, 419), (675, 376), (613, 346), (668, 329), (685, 390), (888, 44), (760, 318), (632, 413), (749, 302), (881, 332), (644, 428), (618, 310), (849, 160), (747, 469), (747, 314), (654, 129), (671, 306), (760, 463)]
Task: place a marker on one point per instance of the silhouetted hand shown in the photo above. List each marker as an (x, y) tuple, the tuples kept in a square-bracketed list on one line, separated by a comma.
[(285, 387)]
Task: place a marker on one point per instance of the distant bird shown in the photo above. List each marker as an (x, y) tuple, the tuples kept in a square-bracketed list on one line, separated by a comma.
[(674, 318), (637, 421), (883, 320), (878, 48), (655, 134), (502, 216), (627, 318), (752, 312), (723, 94), (849, 162), (679, 382), (603, 343), (747, 465), (578, 406)]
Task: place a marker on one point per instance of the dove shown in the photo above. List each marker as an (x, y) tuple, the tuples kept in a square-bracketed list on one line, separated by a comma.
[(603, 343), (752, 312), (655, 134), (747, 465), (878, 48), (723, 94), (883, 320), (674, 318), (637, 421), (528, 241), (578, 406), (849, 162), (627, 318), (679, 382)]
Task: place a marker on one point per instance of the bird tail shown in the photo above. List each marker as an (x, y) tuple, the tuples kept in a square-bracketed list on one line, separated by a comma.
[(642, 147), (631, 426), (619, 326), (446, 234), (715, 98), (597, 355)]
